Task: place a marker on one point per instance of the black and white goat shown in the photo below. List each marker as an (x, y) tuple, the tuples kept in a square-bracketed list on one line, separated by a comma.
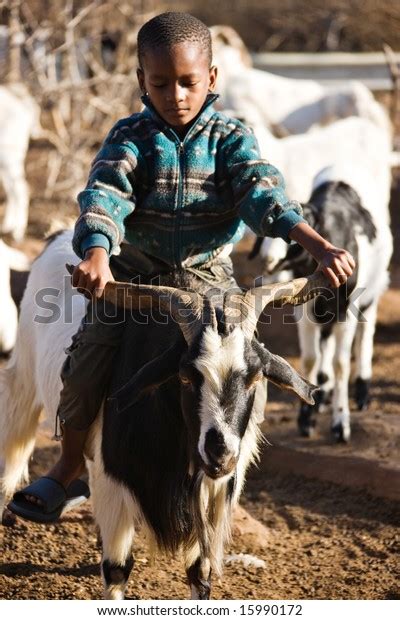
[(361, 150), (172, 446), (328, 327)]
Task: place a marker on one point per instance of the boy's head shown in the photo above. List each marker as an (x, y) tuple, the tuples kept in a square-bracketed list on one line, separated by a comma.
[(175, 55)]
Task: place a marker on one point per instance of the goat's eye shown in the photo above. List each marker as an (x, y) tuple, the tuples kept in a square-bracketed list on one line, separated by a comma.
[(185, 380), (253, 379)]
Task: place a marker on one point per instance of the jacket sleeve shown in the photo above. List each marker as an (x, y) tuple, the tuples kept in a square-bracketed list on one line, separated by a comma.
[(109, 196), (258, 188)]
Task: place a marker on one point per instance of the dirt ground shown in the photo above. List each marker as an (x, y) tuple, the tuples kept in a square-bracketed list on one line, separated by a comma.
[(320, 541)]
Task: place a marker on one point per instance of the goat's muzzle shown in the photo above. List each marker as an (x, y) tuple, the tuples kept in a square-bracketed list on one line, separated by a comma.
[(219, 470), (220, 461)]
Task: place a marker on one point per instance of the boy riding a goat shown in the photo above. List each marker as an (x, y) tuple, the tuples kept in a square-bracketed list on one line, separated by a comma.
[(171, 189)]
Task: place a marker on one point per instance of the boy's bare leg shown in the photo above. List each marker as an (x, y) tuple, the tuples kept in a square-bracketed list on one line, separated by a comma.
[(71, 463)]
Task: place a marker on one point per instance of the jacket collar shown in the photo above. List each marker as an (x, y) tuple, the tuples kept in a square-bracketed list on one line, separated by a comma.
[(202, 119)]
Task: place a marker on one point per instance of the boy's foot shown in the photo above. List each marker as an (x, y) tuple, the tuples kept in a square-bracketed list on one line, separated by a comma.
[(48, 497), (63, 473), (51, 499)]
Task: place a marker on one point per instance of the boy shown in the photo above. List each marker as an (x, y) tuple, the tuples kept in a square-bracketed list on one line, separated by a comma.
[(177, 181)]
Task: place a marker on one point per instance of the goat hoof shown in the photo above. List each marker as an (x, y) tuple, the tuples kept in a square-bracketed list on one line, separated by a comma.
[(305, 422), (322, 398), (8, 518), (340, 434), (326, 397), (306, 427), (362, 393), (362, 405), (307, 431)]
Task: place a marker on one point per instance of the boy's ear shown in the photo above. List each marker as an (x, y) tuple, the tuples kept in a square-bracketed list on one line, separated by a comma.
[(212, 78), (140, 77)]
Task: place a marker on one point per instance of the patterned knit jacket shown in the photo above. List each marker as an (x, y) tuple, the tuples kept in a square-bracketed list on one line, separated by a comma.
[(181, 200)]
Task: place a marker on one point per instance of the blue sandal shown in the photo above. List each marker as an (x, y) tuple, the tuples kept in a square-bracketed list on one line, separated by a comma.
[(55, 499)]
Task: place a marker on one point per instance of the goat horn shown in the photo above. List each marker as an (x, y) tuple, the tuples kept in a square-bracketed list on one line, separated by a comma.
[(188, 308), (295, 292)]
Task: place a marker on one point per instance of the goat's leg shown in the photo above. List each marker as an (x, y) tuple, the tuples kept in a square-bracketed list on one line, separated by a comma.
[(326, 375), (16, 189), (364, 347), (344, 333), (309, 337), (9, 313), (19, 416), (199, 578), (116, 532)]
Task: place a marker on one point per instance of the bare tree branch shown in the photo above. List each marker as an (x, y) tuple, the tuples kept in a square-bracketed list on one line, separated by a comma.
[(394, 71)]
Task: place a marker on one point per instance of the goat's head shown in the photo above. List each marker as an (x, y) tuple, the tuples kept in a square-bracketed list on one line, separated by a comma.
[(226, 39), (222, 364)]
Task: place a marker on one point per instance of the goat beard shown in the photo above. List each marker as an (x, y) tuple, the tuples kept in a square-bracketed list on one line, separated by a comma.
[(211, 509)]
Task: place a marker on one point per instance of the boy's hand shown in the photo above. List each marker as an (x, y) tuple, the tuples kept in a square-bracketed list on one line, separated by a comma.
[(335, 263), (92, 274)]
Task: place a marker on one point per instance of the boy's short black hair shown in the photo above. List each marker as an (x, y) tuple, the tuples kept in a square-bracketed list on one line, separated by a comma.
[(168, 29)]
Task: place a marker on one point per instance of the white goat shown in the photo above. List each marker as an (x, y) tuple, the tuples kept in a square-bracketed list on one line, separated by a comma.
[(291, 106), (19, 120), (26, 385), (9, 259), (347, 142), (326, 346)]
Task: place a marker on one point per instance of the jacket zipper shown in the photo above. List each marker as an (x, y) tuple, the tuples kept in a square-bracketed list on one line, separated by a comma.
[(180, 148), (177, 235)]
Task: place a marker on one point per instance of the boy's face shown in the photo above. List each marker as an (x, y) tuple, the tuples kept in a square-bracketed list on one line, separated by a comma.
[(177, 81)]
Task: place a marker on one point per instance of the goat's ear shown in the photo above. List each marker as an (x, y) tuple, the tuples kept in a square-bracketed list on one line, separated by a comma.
[(294, 254), (150, 376), (280, 372), (309, 213)]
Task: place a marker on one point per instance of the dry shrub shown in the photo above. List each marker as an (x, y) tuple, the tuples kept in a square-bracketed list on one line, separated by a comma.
[(305, 25), (79, 61)]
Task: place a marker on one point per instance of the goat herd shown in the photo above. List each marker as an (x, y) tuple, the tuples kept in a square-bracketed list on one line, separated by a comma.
[(183, 417)]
